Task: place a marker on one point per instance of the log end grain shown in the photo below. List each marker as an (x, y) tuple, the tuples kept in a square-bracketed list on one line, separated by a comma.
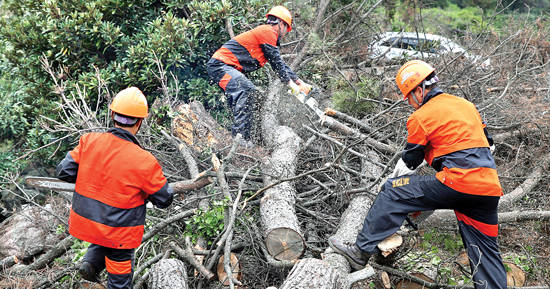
[(284, 244)]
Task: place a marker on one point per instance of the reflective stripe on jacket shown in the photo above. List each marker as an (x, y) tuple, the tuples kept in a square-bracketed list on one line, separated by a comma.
[(114, 178), (250, 51), (448, 132)]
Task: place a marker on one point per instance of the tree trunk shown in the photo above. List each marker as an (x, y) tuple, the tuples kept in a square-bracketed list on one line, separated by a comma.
[(352, 219), (313, 273), (168, 274), (305, 272), (198, 129), (283, 237)]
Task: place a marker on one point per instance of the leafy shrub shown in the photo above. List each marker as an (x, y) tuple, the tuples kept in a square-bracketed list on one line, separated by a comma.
[(207, 224), (356, 103), (120, 40)]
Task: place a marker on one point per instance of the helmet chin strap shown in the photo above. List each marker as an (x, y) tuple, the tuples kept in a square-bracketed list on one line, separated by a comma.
[(416, 99)]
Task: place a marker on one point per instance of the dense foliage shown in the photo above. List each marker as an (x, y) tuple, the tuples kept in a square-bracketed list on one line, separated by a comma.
[(117, 40)]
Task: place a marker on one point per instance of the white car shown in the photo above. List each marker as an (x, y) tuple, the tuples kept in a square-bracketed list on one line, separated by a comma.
[(396, 45)]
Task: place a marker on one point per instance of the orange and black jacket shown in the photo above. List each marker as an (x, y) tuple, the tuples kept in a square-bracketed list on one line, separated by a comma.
[(114, 179), (250, 50), (448, 132)]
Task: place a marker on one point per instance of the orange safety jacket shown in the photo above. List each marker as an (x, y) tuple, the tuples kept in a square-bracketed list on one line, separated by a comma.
[(250, 51), (114, 178), (447, 131)]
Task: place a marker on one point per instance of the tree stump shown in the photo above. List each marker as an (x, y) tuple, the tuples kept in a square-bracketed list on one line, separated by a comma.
[(313, 273), (168, 274)]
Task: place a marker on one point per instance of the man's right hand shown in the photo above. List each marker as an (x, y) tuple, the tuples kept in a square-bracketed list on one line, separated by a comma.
[(401, 169), (304, 87)]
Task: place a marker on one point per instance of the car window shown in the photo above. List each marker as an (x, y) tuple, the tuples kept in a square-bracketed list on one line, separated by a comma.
[(393, 42), (413, 43), (430, 46)]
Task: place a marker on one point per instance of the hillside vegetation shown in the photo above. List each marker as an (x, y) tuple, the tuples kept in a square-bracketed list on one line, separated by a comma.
[(62, 61)]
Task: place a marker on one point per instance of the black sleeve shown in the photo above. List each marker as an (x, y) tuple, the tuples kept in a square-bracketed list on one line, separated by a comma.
[(273, 56), (413, 155), (67, 169), (163, 198), (487, 135)]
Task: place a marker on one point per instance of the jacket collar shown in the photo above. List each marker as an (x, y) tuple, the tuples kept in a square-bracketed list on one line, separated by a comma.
[(433, 93), (124, 134)]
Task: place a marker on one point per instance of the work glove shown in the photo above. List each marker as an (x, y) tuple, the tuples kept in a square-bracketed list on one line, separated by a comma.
[(492, 148), (304, 87), (401, 169), (295, 90)]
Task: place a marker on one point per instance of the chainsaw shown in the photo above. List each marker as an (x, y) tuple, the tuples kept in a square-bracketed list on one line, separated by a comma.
[(308, 100)]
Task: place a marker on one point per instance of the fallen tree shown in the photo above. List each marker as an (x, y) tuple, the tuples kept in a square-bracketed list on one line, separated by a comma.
[(283, 237)]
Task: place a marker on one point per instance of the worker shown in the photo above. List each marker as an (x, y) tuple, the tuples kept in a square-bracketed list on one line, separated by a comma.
[(447, 132), (114, 179), (248, 52)]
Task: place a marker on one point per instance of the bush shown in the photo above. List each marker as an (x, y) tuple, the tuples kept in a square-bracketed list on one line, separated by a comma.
[(118, 39), (349, 101)]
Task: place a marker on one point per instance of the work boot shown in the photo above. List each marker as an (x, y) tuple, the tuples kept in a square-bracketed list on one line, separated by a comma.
[(357, 258), (87, 271), (246, 144)]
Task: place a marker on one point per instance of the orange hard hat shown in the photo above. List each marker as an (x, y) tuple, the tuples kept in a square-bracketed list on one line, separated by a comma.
[(411, 74), (130, 102), (282, 13)]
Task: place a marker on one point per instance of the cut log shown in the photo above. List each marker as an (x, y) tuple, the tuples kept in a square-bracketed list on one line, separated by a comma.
[(235, 270), (351, 221), (168, 274), (408, 284), (390, 244), (313, 273), (283, 237), (514, 275), (385, 279), (196, 127)]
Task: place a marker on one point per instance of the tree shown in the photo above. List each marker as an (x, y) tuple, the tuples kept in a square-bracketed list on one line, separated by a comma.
[(118, 42)]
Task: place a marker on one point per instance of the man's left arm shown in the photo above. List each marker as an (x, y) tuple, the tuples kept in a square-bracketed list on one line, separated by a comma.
[(273, 56), (67, 169), (157, 187), (488, 136), (413, 154)]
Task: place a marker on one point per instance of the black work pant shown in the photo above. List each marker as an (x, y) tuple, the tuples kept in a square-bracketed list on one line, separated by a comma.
[(477, 221), (239, 92), (118, 262)]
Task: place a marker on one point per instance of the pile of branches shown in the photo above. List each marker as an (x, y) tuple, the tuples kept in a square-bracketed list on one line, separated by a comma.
[(333, 160)]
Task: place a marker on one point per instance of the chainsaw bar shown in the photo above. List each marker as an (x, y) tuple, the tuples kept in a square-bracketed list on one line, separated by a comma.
[(311, 102), (49, 183)]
